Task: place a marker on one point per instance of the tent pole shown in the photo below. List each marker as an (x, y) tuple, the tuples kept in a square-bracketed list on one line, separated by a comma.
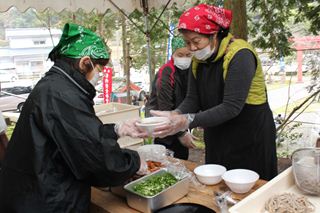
[(144, 4)]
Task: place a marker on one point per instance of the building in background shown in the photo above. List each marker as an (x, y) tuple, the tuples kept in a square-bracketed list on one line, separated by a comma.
[(28, 50)]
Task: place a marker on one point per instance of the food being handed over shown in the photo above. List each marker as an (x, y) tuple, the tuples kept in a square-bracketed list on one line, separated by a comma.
[(155, 184), (289, 203)]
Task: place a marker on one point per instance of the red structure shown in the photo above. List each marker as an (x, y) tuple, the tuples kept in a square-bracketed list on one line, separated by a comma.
[(301, 44), (107, 84)]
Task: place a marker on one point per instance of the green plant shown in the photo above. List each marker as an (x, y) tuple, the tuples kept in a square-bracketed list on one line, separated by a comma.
[(286, 138), (10, 130), (198, 133)]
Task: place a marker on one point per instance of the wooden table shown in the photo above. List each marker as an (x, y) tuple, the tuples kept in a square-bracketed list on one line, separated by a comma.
[(104, 201)]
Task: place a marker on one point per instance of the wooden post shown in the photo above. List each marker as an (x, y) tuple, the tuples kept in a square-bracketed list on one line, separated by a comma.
[(299, 61)]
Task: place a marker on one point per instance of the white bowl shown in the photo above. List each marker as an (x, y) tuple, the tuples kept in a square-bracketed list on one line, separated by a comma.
[(152, 122), (154, 152), (210, 174), (240, 180)]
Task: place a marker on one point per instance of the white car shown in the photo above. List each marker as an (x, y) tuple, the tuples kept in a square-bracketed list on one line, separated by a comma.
[(98, 99), (13, 98), (8, 75)]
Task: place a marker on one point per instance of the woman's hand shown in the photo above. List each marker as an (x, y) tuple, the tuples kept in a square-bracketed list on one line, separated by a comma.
[(177, 123)]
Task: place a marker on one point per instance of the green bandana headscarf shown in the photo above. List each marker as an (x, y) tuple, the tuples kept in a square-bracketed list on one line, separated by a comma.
[(176, 43), (77, 42)]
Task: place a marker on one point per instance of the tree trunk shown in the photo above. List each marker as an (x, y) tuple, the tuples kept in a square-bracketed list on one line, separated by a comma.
[(239, 26), (126, 56), (127, 71), (74, 18), (100, 25), (153, 67)]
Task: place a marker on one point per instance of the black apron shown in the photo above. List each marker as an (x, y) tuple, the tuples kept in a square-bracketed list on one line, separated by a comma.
[(246, 141)]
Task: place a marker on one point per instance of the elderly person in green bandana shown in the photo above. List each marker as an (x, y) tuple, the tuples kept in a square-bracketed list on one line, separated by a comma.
[(59, 148), (169, 88)]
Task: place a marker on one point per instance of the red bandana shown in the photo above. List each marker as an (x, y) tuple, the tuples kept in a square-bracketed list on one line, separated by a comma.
[(205, 19)]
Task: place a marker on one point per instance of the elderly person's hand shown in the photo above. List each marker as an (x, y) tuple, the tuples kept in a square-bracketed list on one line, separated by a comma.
[(178, 122), (129, 128)]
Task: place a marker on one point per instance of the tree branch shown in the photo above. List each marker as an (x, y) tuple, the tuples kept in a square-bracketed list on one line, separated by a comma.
[(286, 121), (287, 104), (301, 111)]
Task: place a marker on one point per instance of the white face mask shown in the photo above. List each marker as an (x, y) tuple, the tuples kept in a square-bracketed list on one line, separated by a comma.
[(182, 63), (95, 78), (204, 53)]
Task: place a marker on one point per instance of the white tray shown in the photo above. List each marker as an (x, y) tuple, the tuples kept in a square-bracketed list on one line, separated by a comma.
[(115, 112), (284, 182)]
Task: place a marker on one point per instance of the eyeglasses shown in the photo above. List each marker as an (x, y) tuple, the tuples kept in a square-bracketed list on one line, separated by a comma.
[(99, 67)]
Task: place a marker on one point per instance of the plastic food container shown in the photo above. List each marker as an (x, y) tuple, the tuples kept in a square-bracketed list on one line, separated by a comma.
[(154, 152), (149, 204), (149, 124), (306, 170)]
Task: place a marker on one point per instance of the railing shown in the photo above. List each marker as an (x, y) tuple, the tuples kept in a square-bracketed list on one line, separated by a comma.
[(10, 94)]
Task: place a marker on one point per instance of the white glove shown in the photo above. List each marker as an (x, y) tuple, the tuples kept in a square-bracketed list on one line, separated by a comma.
[(164, 113), (187, 140), (177, 123), (129, 128)]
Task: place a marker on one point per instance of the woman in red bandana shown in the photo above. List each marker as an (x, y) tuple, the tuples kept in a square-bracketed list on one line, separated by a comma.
[(226, 95)]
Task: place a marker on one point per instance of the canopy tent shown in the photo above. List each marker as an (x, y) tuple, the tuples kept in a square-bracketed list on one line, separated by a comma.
[(124, 6), (73, 5)]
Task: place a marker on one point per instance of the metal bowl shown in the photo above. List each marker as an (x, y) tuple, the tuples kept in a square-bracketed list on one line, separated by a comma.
[(306, 170), (149, 204)]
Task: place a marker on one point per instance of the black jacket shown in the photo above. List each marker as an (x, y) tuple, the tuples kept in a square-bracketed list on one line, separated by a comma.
[(169, 89), (59, 149)]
